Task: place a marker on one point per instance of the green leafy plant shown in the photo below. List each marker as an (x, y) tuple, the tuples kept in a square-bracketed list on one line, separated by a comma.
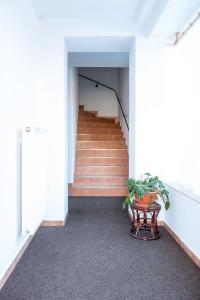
[(147, 184)]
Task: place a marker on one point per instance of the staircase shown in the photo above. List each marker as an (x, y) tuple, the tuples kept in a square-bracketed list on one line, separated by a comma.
[(101, 167)]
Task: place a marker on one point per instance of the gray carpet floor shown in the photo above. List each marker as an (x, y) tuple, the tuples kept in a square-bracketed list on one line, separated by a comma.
[(93, 257)]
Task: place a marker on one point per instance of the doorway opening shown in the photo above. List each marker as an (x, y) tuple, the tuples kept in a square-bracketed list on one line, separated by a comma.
[(98, 122)]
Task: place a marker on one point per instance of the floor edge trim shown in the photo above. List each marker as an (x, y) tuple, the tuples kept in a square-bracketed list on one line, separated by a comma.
[(14, 262), (178, 240), (50, 223)]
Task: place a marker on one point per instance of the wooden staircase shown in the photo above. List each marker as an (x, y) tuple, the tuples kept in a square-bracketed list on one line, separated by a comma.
[(101, 167)]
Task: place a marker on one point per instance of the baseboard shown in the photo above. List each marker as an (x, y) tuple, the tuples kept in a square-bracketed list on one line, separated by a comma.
[(22, 250), (185, 248), (14, 262), (55, 222)]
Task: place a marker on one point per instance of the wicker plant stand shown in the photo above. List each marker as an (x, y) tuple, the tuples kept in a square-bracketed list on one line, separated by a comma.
[(144, 224)]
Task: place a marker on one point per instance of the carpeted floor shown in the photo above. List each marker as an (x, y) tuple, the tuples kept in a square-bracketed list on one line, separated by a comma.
[(93, 257)]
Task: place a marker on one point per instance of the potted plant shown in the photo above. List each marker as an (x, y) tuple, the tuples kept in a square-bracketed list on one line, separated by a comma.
[(145, 191)]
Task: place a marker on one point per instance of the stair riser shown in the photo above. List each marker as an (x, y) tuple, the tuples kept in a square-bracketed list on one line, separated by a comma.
[(84, 124), (98, 192), (100, 161), (95, 119), (100, 145), (101, 181), (99, 137), (101, 153), (101, 170), (105, 131), (87, 114)]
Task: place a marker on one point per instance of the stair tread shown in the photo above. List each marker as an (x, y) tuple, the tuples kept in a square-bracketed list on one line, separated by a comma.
[(99, 187), (120, 141), (108, 176), (94, 166), (99, 149), (88, 134), (106, 157), (101, 165)]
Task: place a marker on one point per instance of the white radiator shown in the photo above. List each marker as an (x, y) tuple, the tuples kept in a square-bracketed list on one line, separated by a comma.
[(34, 178)]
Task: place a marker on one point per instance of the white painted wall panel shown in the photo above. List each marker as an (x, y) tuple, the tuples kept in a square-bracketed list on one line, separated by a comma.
[(19, 41), (183, 218), (168, 126), (52, 113)]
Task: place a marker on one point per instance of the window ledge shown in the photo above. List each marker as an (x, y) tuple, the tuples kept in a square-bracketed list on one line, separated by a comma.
[(185, 191)]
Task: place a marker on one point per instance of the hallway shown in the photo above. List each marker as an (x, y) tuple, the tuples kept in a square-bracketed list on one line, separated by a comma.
[(93, 257)]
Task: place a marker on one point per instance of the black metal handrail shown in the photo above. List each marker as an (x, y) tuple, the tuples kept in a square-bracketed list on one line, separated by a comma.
[(110, 88)]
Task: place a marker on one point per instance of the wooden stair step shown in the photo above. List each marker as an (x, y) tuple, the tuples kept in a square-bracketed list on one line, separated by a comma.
[(97, 191), (107, 131), (101, 145), (102, 161), (81, 107), (101, 180), (87, 113), (99, 137), (101, 170), (101, 153), (97, 124), (95, 119)]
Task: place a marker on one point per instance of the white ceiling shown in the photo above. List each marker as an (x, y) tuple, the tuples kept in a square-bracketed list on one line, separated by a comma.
[(139, 15), (99, 44), (163, 17)]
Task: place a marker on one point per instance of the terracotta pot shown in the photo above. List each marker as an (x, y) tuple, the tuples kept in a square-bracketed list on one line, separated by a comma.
[(146, 201)]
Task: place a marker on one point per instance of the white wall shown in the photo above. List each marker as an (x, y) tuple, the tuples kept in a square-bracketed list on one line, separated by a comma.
[(123, 86), (183, 218), (99, 99), (53, 106), (52, 114), (73, 102), (168, 89), (168, 126), (18, 31), (150, 117), (182, 94)]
